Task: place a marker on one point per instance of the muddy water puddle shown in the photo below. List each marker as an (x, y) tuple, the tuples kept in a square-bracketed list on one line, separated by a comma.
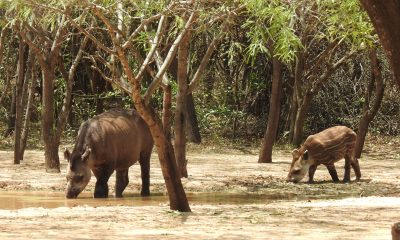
[(20, 199)]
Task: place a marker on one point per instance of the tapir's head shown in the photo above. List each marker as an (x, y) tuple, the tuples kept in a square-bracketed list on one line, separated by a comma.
[(299, 167), (78, 171)]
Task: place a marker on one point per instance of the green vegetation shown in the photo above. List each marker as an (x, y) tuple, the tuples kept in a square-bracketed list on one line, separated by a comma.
[(232, 100)]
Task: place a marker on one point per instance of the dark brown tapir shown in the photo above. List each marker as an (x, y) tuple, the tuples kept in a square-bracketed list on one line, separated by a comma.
[(113, 140)]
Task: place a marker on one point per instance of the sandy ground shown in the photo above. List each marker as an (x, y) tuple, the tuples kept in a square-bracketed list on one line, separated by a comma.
[(230, 194)]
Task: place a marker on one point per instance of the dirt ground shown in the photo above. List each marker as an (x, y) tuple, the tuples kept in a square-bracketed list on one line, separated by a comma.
[(230, 194)]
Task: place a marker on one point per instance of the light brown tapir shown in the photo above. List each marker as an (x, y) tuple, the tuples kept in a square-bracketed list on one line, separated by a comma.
[(326, 147)]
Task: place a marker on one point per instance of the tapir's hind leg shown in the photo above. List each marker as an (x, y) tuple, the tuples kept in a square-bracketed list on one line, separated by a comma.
[(145, 172), (121, 181), (102, 174), (332, 171), (347, 161)]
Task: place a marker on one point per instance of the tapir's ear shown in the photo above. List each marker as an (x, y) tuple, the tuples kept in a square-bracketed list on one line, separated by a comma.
[(67, 154), (305, 155), (85, 155)]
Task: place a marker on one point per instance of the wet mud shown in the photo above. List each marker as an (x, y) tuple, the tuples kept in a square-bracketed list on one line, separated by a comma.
[(230, 194)]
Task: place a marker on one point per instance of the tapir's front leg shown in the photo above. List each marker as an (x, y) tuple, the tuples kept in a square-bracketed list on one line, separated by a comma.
[(311, 172), (102, 174), (332, 171), (121, 181)]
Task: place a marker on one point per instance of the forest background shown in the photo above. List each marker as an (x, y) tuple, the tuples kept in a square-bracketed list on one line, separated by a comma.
[(229, 72)]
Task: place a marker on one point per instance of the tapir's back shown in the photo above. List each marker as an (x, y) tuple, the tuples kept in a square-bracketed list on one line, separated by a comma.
[(116, 138), (331, 144)]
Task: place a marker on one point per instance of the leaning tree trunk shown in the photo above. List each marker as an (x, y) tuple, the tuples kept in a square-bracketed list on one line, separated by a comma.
[(166, 155), (273, 115), (301, 118), (165, 150), (385, 16), (369, 113), (294, 107)]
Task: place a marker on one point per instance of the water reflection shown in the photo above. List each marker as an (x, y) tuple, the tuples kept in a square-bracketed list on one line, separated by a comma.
[(19, 199)]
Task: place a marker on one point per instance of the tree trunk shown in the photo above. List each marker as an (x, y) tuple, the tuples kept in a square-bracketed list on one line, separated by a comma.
[(300, 119), (385, 16), (273, 114), (166, 155), (292, 115), (11, 118), (19, 100), (24, 103), (294, 108), (52, 159), (180, 111), (165, 150), (28, 112), (167, 106), (369, 113), (192, 125), (48, 127), (361, 135)]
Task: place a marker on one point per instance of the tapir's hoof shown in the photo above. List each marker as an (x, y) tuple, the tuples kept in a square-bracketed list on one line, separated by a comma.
[(145, 194)]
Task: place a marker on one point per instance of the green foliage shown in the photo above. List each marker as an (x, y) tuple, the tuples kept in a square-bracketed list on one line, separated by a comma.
[(346, 21), (270, 29)]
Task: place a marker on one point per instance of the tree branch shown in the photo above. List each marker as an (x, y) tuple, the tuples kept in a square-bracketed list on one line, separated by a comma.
[(154, 44), (168, 59)]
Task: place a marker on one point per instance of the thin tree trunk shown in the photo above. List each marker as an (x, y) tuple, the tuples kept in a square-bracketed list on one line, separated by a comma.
[(180, 111), (19, 100), (298, 74), (24, 103), (5, 89), (300, 119), (11, 117), (369, 113), (28, 112), (167, 105), (273, 115), (192, 124)]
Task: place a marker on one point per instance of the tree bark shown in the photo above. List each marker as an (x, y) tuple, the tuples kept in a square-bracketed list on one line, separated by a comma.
[(273, 114), (28, 112), (167, 105), (180, 111), (50, 142), (300, 119), (369, 112), (165, 150), (11, 117), (19, 100), (385, 16), (192, 124)]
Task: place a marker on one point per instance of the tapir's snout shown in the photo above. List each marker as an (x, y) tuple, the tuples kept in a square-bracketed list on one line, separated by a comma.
[(71, 195), (291, 179)]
